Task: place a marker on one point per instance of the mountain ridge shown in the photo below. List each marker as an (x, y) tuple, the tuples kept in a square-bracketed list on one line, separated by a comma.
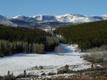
[(43, 21)]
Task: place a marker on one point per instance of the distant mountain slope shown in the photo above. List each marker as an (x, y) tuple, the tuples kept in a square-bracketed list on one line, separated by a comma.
[(86, 35), (43, 21), (6, 21)]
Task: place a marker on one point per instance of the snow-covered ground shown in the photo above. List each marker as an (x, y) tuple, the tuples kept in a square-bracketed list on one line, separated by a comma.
[(20, 62)]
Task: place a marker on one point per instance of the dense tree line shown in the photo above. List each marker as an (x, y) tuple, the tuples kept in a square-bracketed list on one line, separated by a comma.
[(86, 35), (22, 34), (18, 40)]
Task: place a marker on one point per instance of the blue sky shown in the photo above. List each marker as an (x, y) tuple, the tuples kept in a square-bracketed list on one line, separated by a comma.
[(52, 7)]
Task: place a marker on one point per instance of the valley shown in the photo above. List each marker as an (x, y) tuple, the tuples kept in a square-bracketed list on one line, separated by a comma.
[(51, 52), (50, 62)]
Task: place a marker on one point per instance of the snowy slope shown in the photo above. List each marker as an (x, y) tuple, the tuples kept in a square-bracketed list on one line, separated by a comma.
[(5, 21), (75, 18), (72, 18), (19, 63), (48, 20), (104, 17), (45, 20)]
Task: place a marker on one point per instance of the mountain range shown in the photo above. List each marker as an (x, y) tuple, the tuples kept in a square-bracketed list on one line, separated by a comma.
[(43, 21)]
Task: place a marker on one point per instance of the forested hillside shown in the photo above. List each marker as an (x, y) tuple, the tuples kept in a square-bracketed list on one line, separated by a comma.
[(17, 40), (87, 35)]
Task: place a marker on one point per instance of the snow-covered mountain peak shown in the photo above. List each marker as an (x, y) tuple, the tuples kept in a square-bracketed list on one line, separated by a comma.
[(73, 18), (78, 15), (104, 17), (15, 17), (19, 17), (5, 21), (45, 20)]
